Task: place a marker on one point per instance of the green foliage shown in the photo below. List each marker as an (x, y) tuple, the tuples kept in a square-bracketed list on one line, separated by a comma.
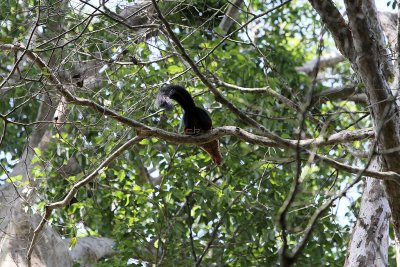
[(232, 207)]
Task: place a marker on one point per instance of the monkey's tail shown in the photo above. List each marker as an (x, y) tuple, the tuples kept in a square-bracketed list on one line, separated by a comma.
[(177, 93)]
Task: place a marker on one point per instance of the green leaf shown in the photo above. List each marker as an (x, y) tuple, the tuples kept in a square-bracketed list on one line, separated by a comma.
[(16, 178), (174, 69), (72, 243)]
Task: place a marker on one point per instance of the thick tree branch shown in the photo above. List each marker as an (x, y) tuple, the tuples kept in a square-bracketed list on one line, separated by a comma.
[(371, 67), (323, 62), (378, 36), (89, 249), (370, 239), (346, 92), (336, 24), (147, 131), (231, 16)]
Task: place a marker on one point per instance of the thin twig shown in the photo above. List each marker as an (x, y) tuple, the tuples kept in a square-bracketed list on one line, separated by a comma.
[(189, 221), (216, 227), (218, 96), (271, 139), (52, 206)]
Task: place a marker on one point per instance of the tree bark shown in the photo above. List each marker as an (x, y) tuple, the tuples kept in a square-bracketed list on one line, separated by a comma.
[(231, 16), (362, 42), (370, 239), (90, 249)]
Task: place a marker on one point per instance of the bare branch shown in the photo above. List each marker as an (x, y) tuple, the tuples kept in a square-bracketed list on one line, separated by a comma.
[(331, 16), (91, 248), (231, 16), (324, 62), (266, 90), (348, 92), (269, 91)]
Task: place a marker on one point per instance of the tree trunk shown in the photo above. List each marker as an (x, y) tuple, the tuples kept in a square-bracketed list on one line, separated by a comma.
[(361, 41), (370, 239)]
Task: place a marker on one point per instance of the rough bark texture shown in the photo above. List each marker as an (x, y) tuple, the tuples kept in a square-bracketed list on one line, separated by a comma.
[(383, 107), (336, 24), (17, 226), (49, 251), (89, 249), (370, 239), (362, 42)]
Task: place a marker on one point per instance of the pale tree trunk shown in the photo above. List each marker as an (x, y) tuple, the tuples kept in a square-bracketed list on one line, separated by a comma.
[(18, 200), (370, 239), (361, 41), (369, 243), (17, 225)]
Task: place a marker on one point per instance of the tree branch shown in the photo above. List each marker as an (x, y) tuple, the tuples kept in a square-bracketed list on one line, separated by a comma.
[(231, 16), (324, 62), (218, 96), (147, 131), (342, 93), (336, 24), (265, 90), (52, 206), (91, 248)]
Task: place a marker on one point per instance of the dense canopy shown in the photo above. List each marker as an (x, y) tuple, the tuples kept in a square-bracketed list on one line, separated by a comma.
[(89, 163)]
